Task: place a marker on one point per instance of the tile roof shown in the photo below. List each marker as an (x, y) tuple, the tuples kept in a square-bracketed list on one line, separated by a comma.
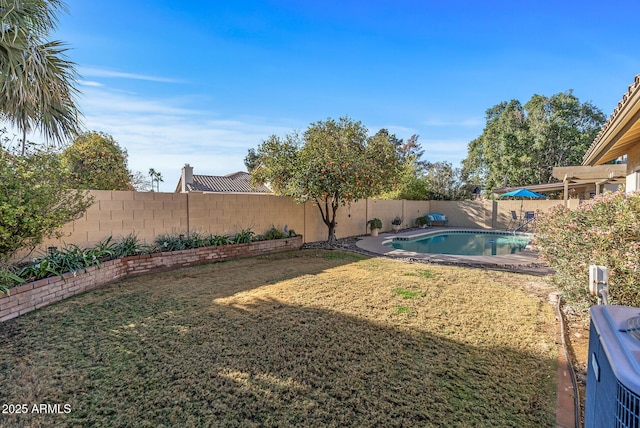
[(237, 182), (598, 144)]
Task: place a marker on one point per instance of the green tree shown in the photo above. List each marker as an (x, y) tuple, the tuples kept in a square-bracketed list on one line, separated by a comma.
[(35, 199), (411, 183), (332, 164), (521, 144), (156, 178), (443, 182), (38, 82), (251, 160), (423, 180), (96, 161)]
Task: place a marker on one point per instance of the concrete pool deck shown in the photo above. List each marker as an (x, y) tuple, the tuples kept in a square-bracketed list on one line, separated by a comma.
[(376, 245)]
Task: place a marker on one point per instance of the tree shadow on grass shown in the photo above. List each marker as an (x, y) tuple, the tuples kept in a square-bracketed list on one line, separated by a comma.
[(259, 362)]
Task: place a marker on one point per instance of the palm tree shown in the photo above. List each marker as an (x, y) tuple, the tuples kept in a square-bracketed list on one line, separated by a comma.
[(156, 177), (36, 80)]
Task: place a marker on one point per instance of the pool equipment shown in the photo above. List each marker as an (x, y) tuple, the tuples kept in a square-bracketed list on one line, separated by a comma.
[(613, 376)]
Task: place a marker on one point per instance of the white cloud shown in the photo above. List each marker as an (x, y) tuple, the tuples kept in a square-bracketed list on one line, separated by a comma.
[(449, 150), (99, 72), (163, 134), (90, 83)]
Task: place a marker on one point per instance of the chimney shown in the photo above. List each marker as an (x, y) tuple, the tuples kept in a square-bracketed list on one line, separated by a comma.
[(187, 176)]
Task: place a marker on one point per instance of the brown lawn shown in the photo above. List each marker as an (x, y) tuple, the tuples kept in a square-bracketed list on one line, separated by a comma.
[(308, 338)]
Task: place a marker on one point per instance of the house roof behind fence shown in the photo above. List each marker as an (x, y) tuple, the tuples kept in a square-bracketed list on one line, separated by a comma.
[(237, 182)]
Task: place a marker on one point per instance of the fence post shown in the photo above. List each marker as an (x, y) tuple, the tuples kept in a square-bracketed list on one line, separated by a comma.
[(494, 214)]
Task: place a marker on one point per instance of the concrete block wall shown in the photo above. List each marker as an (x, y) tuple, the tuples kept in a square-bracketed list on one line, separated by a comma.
[(149, 214)]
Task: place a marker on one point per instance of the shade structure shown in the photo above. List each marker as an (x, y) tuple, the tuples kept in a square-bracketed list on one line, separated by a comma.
[(523, 193)]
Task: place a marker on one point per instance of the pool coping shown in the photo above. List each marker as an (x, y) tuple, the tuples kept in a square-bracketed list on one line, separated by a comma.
[(376, 245)]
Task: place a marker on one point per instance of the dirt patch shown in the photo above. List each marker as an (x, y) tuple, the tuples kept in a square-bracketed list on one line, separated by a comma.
[(577, 338)]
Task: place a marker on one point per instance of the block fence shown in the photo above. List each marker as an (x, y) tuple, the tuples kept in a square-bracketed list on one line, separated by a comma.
[(37, 294), (149, 214)]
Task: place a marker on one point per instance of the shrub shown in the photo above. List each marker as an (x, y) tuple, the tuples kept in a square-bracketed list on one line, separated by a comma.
[(215, 240), (245, 236), (422, 221), (604, 231), (167, 242), (36, 199), (274, 233), (375, 223), (71, 258), (131, 245)]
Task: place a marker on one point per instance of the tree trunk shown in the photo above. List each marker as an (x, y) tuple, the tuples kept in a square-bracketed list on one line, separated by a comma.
[(331, 238), (329, 219), (24, 141)]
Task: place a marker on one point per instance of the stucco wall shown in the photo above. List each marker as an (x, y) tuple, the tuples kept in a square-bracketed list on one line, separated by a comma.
[(633, 166)]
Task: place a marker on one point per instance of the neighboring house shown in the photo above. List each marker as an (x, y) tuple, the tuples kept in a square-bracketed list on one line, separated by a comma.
[(237, 182), (620, 137)]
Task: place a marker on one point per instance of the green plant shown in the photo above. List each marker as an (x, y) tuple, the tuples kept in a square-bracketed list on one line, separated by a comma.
[(194, 240), (104, 250), (422, 221), (292, 233), (129, 245), (215, 240), (397, 221), (402, 309), (375, 223), (407, 294), (245, 236), (423, 273), (274, 233), (71, 258), (35, 199), (167, 242), (604, 231), (8, 278)]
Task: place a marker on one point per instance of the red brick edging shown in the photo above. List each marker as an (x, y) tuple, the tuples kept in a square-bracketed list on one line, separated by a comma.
[(35, 295)]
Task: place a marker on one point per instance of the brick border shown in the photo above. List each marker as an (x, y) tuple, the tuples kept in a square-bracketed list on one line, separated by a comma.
[(37, 294)]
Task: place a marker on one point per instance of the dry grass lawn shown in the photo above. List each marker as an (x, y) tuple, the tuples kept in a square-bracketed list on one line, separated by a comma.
[(308, 338)]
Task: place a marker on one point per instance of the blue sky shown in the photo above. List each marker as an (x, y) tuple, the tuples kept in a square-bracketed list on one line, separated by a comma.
[(201, 82)]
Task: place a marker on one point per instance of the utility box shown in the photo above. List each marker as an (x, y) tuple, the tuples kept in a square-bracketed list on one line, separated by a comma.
[(613, 377)]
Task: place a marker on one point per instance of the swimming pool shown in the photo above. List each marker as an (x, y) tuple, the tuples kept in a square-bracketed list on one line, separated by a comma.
[(465, 243)]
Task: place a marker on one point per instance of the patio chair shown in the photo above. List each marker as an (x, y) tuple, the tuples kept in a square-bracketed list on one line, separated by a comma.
[(529, 221), (515, 220)]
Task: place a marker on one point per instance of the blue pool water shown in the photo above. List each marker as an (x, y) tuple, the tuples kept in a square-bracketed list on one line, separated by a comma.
[(465, 243)]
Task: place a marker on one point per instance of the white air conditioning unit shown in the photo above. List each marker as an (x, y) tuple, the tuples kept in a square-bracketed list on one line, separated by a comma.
[(613, 377)]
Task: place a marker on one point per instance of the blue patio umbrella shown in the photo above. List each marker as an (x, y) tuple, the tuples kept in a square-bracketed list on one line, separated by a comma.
[(523, 193)]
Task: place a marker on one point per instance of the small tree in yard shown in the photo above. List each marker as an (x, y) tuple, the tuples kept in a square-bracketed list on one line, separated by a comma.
[(35, 200), (332, 164)]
